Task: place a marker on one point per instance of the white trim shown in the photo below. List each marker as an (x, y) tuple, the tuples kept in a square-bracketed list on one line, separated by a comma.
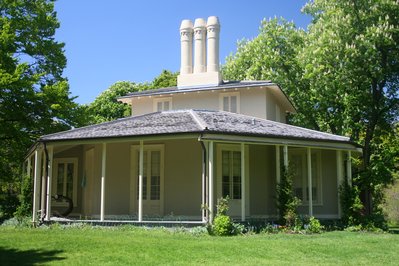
[(244, 193), (305, 175), (137, 166), (285, 154), (211, 181), (103, 173), (229, 95), (38, 159), (162, 100), (310, 186), (243, 181), (54, 191), (49, 180), (141, 173), (279, 141)]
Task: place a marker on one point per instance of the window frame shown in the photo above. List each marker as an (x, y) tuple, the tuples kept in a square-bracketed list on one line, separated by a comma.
[(302, 152), (135, 149), (229, 95), (54, 191), (162, 100)]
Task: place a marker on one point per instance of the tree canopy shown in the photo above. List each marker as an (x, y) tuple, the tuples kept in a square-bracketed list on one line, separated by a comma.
[(342, 73), (106, 107), (34, 96)]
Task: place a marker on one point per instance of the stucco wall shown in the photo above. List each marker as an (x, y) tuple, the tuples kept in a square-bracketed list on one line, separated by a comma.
[(258, 102), (262, 180)]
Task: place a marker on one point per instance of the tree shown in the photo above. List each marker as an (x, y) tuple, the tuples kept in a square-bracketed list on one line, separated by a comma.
[(106, 107), (34, 97), (342, 73)]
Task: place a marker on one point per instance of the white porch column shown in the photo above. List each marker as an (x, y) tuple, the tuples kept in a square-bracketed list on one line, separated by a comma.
[(37, 174), (103, 170), (43, 188), (340, 177), (211, 190), (28, 167), (203, 183), (49, 180), (141, 173), (349, 168), (243, 177), (285, 154), (278, 167), (309, 161)]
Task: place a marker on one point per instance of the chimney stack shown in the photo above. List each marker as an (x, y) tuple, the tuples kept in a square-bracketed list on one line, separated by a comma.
[(213, 30), (206, 53), (199, 45), (186, 39)]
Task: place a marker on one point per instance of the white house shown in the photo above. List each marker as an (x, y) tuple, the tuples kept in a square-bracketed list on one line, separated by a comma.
[(186, 146)]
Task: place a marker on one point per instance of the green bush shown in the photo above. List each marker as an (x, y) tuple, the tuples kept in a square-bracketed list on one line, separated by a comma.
[(287, 202), (314, 226), (222, 225), (25, 198)]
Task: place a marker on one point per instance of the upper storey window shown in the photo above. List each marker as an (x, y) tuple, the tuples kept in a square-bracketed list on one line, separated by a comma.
[(162, 104), (230, 102)]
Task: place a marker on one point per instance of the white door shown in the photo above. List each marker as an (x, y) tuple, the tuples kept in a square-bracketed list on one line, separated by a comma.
[(152, 179), (229, 177)]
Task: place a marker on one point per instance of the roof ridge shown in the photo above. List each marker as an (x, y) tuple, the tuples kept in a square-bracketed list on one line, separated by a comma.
[(202, 124)]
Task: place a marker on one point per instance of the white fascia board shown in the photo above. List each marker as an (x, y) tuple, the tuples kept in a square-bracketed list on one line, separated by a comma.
[(281, 141)]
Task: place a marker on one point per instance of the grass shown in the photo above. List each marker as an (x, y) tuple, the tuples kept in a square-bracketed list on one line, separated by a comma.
[(139, 246)]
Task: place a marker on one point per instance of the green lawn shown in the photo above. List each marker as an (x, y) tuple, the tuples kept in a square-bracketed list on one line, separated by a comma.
[(130, 245)]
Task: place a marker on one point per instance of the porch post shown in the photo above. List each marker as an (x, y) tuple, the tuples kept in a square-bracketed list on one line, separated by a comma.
[(203, 183), (49, 179), (210, 169), (349, 168), (339, 180), (141, 173), (28, 167), (103, 169), (285, 154), (243, 177), (278, 167), (309, 161), (44, 188), (38, 159)]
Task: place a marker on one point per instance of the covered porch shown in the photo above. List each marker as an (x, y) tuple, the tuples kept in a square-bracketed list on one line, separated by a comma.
[(177, 177)]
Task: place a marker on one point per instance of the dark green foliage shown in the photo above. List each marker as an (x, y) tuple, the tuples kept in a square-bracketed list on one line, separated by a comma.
[(8, 204), (34, 96), (287, 202), (106, 107), (351, 206), (342, 74), (25, 198)]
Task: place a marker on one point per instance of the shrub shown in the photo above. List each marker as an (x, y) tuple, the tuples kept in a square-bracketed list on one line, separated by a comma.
[(222, 225), (287, 202), (25, 198), (314, 226), (351, 204)]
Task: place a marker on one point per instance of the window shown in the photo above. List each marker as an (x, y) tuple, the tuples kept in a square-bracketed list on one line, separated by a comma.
[(230, 102), (231, 174), (162, 104), (65, 178), (151, 174), (298, 164)]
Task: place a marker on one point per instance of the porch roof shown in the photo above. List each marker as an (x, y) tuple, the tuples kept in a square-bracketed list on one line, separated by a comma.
[(193, 121)]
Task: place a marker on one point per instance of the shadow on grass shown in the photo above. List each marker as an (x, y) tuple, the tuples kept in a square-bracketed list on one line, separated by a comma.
[(11, 256)]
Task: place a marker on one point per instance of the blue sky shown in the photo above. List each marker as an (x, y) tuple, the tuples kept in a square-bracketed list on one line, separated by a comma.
[(109, 41)]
